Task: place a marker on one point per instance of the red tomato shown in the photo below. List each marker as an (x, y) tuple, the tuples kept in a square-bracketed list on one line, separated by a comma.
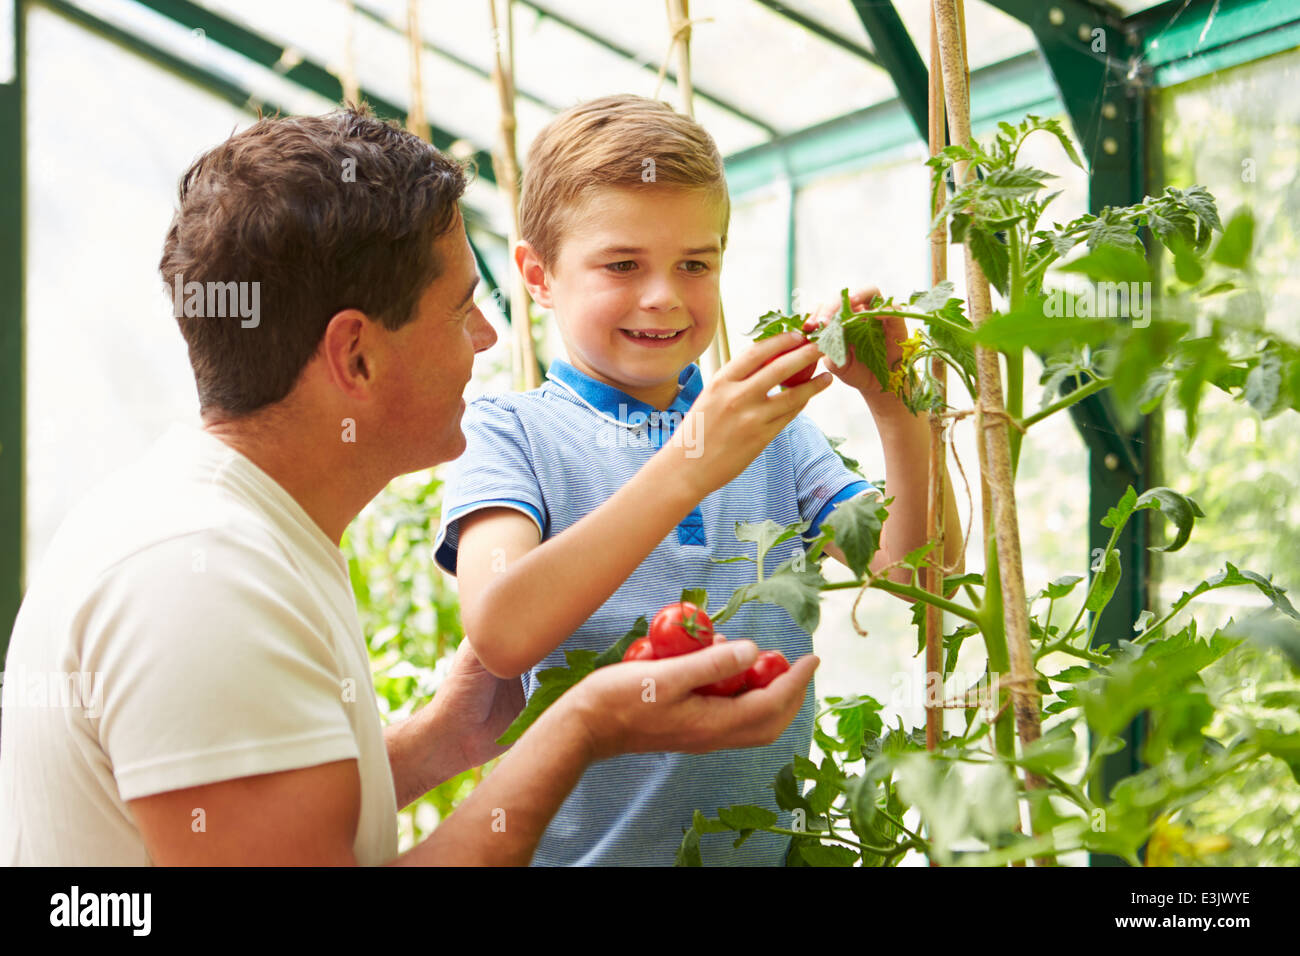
[(769, 666), (804, 374), (727, 687), (679, 629), (639, 650)]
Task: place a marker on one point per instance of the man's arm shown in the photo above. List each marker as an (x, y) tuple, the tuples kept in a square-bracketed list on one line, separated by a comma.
[(309, 816)]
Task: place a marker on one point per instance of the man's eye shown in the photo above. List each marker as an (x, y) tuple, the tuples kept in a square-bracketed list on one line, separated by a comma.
[(615, 266)]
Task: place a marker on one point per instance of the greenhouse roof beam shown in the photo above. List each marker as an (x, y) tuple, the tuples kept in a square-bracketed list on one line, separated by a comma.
[(523, 94), (898, 56), (289, 63), (823, 31), (607, 44)]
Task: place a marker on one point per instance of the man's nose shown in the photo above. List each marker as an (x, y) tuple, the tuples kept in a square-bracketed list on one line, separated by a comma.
[(483, 335)]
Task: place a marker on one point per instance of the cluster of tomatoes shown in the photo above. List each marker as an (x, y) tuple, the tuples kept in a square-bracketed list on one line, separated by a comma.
[(682, 628)]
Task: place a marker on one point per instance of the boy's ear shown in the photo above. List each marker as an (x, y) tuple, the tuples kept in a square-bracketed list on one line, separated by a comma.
[(533, 273)]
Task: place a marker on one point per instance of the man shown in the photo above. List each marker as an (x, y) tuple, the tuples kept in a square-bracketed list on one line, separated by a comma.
[(205, 694)]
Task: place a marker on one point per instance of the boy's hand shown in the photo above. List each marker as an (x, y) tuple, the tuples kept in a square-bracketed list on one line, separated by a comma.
[(734, 418), (651, 707), (854, 372)]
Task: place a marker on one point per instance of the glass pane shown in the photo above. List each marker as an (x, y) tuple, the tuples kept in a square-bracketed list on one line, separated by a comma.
[(1238, 134)]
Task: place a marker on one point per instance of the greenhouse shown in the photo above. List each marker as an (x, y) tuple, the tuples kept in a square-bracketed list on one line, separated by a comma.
[(1045, 557)]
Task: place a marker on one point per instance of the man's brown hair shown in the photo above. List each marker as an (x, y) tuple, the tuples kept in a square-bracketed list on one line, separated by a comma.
[(324, 213), (612, 141)]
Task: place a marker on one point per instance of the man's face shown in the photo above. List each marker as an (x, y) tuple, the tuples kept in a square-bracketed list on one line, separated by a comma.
[(432, 359), (639, 260)]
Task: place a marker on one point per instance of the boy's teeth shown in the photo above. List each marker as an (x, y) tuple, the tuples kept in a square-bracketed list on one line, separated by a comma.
[(649, 335)]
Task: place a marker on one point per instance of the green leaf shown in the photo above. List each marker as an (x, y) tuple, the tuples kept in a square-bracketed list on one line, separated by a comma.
[(1051, 752), (1234, 247), (744, 817), (830, 340), (1031, 327), (1264, 388), (867, 336), (1269, 631), (1110, 263), (789, 794), (1104, 584), (1062, 586), (688, 854), (992, 255), (932, 300), (702, 824), (767, 534), (855, 526), (697, 596), (614, 654), (1118, 516), (820, 854), (799, 592), (1178, 508)]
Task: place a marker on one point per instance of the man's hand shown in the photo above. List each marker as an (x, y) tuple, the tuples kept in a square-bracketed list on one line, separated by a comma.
[(455, 732), (649, 706), (477, 706), (854, 372)]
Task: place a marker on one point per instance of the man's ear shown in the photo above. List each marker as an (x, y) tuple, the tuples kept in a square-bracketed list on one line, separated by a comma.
[(348, 350), (530, 267)]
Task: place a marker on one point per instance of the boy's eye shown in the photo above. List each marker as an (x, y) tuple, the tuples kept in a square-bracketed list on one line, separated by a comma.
[(615, 266), (703, 266)]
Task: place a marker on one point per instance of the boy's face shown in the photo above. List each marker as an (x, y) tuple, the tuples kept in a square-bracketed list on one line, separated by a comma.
[(635, 260)]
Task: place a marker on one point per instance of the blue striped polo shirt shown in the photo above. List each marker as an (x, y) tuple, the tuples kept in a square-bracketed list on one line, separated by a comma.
[(558, 452)]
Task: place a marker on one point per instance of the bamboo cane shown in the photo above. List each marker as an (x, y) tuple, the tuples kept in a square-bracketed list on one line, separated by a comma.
[(934, 504), (417, 121), (505, 162), (348, 79), (991, 414), (679, 28)]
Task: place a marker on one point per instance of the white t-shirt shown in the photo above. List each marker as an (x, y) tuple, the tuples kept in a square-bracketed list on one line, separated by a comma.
[(189, 624)]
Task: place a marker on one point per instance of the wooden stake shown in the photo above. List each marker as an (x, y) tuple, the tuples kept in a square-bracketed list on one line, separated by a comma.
[(348, 79), (417, 121), (505, 163), (934, 503), (679, 29), (991, 419)]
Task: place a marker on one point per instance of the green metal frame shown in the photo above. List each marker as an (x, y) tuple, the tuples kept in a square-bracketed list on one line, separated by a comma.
[(897, 55), (12, 192), (305, 72)]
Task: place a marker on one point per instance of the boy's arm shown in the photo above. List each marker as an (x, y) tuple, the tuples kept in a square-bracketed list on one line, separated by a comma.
[(520, 599), (906, 441)]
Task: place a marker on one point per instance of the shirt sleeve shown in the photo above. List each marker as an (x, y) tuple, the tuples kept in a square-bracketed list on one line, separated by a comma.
[(495, 470), (215, 662), (822, 479)]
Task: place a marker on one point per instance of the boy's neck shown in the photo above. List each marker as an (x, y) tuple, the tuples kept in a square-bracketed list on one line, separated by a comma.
[(659, 396)]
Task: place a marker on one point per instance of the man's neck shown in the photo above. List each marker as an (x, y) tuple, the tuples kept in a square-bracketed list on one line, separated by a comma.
[(318, 471)]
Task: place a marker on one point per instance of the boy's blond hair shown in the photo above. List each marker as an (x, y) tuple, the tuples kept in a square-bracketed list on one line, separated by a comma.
[(612, 141)]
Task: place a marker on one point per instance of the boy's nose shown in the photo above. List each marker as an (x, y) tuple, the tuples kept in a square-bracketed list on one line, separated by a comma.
[(660, 295)]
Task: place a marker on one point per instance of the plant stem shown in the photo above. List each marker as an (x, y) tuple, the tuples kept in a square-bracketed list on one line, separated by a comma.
[(909, 590), (993, 425), (1078, 395)]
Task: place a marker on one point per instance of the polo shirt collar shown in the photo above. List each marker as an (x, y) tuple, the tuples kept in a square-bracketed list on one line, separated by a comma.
[(606, 400)]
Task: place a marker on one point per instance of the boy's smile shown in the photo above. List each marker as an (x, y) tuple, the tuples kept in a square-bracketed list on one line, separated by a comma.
[(635, 285)]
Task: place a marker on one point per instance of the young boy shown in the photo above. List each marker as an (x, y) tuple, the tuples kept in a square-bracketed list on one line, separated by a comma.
[(597, 497)]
